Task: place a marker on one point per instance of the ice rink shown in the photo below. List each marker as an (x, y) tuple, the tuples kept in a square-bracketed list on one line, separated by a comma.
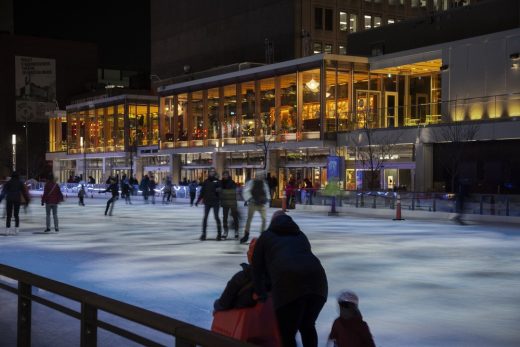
[(420, 283)]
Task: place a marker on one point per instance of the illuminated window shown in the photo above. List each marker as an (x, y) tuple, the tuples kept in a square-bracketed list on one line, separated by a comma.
[(343, 21), (352, 23), (342, 49), (390, 21), (377, 22), (368, 22), (317, 48), (328, 48)]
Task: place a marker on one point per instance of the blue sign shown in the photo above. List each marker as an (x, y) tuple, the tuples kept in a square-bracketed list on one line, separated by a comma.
[(333, 167)]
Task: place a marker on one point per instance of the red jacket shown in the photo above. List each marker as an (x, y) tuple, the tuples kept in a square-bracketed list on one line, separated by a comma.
[(352, 332), (52, 193)]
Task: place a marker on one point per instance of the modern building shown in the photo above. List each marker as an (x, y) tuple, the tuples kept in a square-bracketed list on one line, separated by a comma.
[(193, 36), (103, 137)]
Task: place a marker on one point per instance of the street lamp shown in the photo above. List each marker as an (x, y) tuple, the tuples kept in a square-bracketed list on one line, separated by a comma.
[(13, 141), (26, 126)]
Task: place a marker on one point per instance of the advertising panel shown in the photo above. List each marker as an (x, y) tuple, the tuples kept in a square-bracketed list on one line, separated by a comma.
[(35, 85)]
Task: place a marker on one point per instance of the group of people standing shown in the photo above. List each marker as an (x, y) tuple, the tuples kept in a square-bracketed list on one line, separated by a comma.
[(282, 267), (215, 193)]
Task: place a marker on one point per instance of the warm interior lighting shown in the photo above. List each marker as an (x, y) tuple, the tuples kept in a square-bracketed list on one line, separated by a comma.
[(313, 85)]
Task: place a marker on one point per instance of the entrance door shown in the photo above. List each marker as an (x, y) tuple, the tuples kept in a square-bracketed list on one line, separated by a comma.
[(391, 114), (368, 105)]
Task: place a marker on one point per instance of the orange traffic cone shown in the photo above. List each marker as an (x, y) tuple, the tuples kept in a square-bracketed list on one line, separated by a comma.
[(398, 209)]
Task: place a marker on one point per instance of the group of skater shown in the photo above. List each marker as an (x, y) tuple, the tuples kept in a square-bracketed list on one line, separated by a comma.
[(217, 192), (283, 272)]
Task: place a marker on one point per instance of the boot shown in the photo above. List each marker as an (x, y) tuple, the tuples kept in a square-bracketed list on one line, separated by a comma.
[(236, 234), (203, 237), (245, 238), (225, 234), (219, 236)]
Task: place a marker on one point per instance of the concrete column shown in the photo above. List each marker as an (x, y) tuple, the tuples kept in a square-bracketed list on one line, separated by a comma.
[(219, 162), (273, 158), (138, 162), (175, 168), (423, 167)]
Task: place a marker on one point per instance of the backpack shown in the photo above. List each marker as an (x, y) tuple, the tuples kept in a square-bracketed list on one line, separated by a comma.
[(258, 192)]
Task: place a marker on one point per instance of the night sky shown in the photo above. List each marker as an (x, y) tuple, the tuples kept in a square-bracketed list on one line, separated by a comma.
[(120, 28)]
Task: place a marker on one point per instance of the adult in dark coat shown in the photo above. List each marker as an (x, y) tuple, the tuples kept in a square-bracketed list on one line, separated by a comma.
[(298, 281), (15, 194), (228, 200), (210, 194), (113, 188)]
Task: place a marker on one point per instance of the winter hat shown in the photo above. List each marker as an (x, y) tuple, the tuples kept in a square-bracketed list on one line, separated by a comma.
[(251, 250), (348, 296), (277, 214)]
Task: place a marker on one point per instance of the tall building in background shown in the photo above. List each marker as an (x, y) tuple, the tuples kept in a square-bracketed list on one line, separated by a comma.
[(192, 36)]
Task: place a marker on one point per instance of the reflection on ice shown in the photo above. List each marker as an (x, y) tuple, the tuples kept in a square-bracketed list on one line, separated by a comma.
[(420, 283)]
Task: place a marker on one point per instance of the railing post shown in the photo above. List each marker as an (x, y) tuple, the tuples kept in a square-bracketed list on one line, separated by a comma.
[(434, 203), (357, 199), (413, 201), (88, 325), (507, 205), (24, 315), (482, 204)]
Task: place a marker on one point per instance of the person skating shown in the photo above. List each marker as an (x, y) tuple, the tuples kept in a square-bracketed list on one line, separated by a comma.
[(256, 194), (193, 191), (15, 194), (210, 194), (167, 192), (126, 190), (51, 197), (81, 195), (349, 329), (145, 188), (297, 279), (228, 199), (114, 190), (152, 185)]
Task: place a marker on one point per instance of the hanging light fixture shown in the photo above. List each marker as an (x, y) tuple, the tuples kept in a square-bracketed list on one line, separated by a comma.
[(313, 85)]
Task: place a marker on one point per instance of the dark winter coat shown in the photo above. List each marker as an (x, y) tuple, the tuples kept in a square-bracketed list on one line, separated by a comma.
[(238, 292), (228, 194), (112, 188), (52, 193), (13, 191), (283, 253), (352, 332), (210, 192)]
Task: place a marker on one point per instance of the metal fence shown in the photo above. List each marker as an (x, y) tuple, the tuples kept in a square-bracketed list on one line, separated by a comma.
[(91, 304)]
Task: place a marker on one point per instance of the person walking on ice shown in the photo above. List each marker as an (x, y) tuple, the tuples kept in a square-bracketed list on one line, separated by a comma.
[(51, 197), (209, 193), (256, 194)]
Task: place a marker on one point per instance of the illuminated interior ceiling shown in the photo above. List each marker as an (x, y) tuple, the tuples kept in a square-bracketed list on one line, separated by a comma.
[(423, 67)]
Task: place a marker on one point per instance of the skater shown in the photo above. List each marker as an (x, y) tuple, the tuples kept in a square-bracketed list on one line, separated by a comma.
[(272, 182), (228, 199), (112, 188), (152, 185), (298, 281), (81, 195), (15, 194), (145, 188), (126, 190), (51, 197), (210, 194), (349, 329), (167, 192), (193, 191), (256, 194)]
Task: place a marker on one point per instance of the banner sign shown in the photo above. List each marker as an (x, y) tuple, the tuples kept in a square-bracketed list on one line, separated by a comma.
[(35, 88), (333, 167)]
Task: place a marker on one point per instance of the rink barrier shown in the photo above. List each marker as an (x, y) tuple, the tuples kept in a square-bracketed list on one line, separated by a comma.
[(184, 334)]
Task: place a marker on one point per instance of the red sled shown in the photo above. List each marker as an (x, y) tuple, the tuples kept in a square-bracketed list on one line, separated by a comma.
[(256, 325)]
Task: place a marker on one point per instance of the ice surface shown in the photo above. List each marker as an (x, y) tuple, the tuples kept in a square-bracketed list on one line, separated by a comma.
[(420, 283)]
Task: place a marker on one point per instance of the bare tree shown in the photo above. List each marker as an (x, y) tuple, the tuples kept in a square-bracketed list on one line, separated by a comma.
[(458, 135), (373, 149), (264, 143)]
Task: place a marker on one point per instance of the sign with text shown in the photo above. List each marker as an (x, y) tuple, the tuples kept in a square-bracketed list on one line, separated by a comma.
[(35, 88)]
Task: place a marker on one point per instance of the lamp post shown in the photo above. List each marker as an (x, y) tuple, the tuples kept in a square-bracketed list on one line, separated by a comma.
[(26, 126), (13, 142)]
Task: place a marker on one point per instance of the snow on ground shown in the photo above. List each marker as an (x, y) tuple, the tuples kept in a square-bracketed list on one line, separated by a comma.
[(420, 283)]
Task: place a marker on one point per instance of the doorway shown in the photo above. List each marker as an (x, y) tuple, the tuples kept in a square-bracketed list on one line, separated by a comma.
[(391, 110)]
